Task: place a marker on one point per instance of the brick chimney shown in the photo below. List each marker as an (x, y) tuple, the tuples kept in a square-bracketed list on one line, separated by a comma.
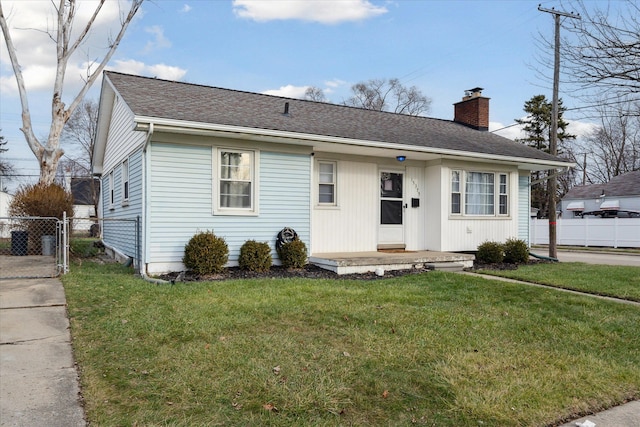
[(473, 110)]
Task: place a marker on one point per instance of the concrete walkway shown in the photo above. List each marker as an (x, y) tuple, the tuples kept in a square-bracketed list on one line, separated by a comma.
[(38, 377)]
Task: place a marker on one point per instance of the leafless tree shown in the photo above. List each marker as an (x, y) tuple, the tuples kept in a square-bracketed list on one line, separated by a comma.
[(314, 93), (80, 131), (601, 51), (614, 147), (49, 153), (389, 95)]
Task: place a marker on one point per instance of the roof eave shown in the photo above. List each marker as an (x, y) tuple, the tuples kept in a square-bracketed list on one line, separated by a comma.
[(271, 135)]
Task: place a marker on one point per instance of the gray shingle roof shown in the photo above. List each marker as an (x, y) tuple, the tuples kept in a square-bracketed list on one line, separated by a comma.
[(627, 184), (204, 104)]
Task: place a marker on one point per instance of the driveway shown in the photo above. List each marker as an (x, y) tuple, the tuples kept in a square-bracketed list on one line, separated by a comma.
[(595, 257)]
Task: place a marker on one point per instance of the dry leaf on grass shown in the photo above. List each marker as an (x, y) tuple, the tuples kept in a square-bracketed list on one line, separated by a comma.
[(270, 407)]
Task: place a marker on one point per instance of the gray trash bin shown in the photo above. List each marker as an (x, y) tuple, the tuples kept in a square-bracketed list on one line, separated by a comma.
[(48, 245), (19, 242)]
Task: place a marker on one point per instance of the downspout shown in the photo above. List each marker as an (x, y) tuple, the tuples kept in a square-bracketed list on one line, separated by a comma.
[(143, 240)]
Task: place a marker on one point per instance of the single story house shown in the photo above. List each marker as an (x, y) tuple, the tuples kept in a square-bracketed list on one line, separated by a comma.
[(620, 197), (187, 158)]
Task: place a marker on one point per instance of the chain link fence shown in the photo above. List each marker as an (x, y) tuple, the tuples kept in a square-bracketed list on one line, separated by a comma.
[(33, 247)]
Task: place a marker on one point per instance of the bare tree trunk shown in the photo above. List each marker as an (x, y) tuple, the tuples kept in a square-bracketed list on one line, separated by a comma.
[(48, 155)]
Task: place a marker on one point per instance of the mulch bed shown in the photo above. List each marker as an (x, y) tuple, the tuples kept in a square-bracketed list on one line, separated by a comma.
[(277, 272), (314, 272)]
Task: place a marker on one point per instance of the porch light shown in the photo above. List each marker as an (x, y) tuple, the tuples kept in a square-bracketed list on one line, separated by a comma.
[(401, 158)]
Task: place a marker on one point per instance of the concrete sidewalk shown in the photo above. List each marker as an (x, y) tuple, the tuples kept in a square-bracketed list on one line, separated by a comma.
[(38, 377)]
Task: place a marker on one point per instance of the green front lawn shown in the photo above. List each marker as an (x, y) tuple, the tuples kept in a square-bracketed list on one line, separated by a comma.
[(614, 281), (431, 349)]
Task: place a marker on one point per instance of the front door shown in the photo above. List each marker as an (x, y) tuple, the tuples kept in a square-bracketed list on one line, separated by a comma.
[(391, 227)]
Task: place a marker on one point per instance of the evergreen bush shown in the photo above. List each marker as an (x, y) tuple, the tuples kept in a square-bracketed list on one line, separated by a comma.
[(206, 253), (255, 256), (293, 254), (516, 251), (490, 253)]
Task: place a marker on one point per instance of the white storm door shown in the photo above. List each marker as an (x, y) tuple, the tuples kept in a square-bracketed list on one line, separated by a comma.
[(391, 210)]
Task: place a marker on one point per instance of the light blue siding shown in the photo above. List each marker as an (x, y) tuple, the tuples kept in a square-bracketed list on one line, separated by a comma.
[(181, 201), (118, 227), (524, 208)]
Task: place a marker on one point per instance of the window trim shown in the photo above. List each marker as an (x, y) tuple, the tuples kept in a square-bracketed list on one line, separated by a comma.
[(125, 182), (459, 192), (255, 187), (500, 194), (334, 183), (463, 174)]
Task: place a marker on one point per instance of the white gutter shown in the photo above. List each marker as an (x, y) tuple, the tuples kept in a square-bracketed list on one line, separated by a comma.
[(198, 128)]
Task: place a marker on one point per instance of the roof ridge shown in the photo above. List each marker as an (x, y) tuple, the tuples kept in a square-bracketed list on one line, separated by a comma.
[(278, 96)]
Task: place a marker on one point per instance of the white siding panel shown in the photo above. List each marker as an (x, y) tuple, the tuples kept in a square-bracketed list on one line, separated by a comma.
[(436, 205), (122, 139), (181, 201), (468, 234), (352, 225), (415, 218), (119, 226)]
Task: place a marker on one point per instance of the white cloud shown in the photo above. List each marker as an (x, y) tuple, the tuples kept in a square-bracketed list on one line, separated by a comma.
[(159, 42), (185, 9), (160, 71), (333, 85), (288, 91), (580, 129), (508, 131), (325, 12)]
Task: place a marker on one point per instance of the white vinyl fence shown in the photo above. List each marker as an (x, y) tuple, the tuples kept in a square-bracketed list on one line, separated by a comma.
[(587, 231)]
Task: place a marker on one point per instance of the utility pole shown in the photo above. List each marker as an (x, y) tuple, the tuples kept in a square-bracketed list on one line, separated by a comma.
[(552, 182)]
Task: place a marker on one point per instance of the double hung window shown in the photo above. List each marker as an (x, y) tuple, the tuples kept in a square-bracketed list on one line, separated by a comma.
[(236, 181), (327, 183)]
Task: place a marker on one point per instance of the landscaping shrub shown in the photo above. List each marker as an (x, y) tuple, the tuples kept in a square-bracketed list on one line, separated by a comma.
[(255, 256), (293, 254), (40, 200), (205, 253), (516, 251), (490, 253)]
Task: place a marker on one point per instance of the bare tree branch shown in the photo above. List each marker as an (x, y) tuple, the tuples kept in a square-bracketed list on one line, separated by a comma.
[(49, 154), (388, 95)]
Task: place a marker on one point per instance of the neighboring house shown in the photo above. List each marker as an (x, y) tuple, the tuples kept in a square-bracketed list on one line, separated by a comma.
[(189, 158), (86, 193), (5, 201), (620, 197)]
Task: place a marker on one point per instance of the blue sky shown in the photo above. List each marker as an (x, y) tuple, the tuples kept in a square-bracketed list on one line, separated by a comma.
[(282, 47)]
